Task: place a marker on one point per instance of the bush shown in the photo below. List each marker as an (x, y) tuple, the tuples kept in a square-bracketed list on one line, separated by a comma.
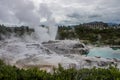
[(12, 73)]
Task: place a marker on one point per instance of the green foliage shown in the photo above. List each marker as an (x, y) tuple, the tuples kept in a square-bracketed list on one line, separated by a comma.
[(17, 31), (12, 73), (106, 36), (66, 33)]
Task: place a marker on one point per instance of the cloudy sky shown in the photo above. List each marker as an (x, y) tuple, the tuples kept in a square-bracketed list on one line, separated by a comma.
[(36, 12)]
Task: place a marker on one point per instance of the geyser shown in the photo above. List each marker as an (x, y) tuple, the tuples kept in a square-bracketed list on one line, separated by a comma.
[(45, 33)]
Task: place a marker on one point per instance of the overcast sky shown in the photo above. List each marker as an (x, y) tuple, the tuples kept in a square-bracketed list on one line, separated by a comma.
[(36, 12)]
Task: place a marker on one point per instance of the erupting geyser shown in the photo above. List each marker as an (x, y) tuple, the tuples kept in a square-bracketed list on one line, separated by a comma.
[(46, 33)]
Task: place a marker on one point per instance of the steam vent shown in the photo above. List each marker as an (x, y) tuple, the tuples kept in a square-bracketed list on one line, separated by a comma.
[(67, 47)]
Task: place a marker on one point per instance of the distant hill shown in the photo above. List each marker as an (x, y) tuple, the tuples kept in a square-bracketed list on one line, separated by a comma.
[(112, 24), (100, 22)]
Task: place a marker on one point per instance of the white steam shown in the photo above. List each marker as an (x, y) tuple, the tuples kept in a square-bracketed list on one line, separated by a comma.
[(46, 18), (44, 34)]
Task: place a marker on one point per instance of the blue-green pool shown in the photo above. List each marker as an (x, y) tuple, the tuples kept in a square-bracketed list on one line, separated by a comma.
[(105, 52)]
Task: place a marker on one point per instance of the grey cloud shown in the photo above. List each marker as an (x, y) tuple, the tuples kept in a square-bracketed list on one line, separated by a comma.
[(60, 11), (75, 15), (95, 16), (6, 15), (22, 10), (45, 12)]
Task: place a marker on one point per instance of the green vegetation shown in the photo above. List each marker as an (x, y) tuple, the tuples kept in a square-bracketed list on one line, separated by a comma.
[(109, 36), (8, 72), (66, 33), (17, 31)]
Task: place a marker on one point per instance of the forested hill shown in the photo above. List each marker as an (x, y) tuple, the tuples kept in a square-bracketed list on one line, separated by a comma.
[(91, 33)]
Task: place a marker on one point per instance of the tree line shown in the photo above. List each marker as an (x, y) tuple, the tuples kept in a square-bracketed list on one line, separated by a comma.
[(110, 36), (17, 31)]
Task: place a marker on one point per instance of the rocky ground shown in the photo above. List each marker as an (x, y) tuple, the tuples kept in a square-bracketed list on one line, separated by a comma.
[(25, 54)]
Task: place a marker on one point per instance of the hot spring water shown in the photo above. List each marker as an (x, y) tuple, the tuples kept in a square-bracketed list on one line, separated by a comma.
[(105, 52)]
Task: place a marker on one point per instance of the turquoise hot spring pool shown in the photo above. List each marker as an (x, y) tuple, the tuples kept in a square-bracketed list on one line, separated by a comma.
[(105, 52)]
